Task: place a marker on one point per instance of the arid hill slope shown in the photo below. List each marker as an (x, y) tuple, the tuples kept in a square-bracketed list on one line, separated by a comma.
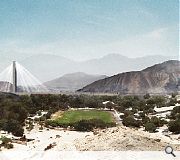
[(160, 78)]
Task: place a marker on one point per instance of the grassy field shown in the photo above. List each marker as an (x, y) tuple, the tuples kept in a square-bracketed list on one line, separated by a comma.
[(76, 115)]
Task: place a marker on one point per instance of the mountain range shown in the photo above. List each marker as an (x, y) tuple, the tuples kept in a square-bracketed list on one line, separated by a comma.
[(73, 81), (159, 78), (49, 67)]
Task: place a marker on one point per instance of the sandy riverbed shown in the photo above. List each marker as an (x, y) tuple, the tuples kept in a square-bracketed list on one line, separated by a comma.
[(113, 139)]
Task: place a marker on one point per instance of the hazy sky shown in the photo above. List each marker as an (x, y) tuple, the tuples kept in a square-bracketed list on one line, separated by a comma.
[(84, 29)]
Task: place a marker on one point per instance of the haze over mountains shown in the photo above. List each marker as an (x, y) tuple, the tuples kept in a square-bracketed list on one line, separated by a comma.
[(48, 67), (159, 78), (67, 75), (73, 81)]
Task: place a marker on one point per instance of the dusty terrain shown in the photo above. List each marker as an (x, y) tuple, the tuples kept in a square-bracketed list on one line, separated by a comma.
[(112, 139), (122, 139)]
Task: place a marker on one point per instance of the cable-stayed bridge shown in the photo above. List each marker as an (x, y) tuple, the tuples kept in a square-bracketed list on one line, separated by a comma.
[(17, 79)]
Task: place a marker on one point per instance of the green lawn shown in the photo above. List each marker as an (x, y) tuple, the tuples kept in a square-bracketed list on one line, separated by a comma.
[(77, 115)]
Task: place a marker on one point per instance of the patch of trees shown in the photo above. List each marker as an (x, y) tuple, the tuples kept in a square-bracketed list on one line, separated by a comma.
[(89, 125), (13, 114), (82, 125), (48, 102), (137, 103), (15, 109), (174, 124), (152, 124)]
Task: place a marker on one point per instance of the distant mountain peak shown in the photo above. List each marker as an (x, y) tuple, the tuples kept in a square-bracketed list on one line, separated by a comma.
[(114, 55), (72, 81), (75, 73)]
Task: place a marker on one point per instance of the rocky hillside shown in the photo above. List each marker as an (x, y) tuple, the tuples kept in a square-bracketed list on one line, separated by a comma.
[(73, 81), (160, 78)]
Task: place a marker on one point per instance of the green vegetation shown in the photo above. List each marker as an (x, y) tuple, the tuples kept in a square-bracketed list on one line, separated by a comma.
[(175, 114), (77, 115), (129, 121), (12, 115), (83, 120), (174, 126), (90, 124), (158, 122), (142, 106), (16, 108), (150, 127), (6, 142)]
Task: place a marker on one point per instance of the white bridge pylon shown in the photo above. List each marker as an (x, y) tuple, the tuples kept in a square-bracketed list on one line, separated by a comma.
[(16, 78)]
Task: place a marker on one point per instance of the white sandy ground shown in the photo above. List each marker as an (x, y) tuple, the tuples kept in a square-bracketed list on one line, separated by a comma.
[(163, 109), (71, 141), (35, 149), (123, 139)]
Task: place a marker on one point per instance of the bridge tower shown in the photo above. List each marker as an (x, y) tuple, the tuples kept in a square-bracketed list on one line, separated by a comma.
[(14, 77)]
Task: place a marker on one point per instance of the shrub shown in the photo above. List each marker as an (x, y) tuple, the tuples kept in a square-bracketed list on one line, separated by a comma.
[(9, 146), (89, 125), (156, 121), (147, 96), (122, 116), (14, 127), (160, 101), (150, 127), (145, 119), (172, 102), (174, 126), (5, 140), (51, 123), (83, 125), (36, 119), (175, 113), (39, 113), (18, 132), (48, 115), (40, 128), (110, 105), (30, 127), (129, 121), (43, 118)]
